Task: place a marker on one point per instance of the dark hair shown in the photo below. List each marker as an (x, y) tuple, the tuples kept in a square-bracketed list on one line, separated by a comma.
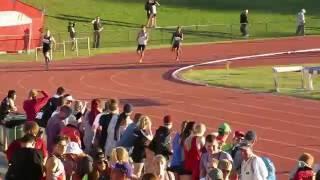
[(59, 139), (210, 138), (136, 117), (318, 175), (60, 101), (143, 26), (11, 93), (60, 91), (187, 131), (149, 176), (28, 138)]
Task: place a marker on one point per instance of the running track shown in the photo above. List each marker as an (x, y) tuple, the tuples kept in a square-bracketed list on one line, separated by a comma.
[(286, 126)]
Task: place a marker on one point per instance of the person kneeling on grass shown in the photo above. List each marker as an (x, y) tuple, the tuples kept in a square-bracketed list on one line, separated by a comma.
[(142, 39)]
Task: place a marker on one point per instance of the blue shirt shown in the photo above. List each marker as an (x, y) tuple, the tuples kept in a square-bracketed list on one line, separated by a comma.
[(177, 151), (128, 137)]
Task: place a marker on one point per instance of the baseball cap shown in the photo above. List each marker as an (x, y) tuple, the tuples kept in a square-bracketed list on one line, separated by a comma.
[(239, 134), (224, 128), (215, 174)]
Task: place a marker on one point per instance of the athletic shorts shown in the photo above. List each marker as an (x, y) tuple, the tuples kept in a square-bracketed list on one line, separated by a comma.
[(141, 47), (45, 51), (179, 170), (176, 45)]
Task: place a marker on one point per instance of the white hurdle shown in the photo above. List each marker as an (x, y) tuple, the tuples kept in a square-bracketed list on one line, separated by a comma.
[(310, 73), (285, 69)]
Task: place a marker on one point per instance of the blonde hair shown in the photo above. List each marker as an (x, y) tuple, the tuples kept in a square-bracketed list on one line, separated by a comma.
[(113, 105), (199, 129), (225, 165), (307, 158), (119, 154), (160, 159), (31, 127), (33, 93), (144, 122)]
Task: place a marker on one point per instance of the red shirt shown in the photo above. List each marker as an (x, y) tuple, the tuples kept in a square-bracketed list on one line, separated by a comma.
[(32, 107), (40, 145)]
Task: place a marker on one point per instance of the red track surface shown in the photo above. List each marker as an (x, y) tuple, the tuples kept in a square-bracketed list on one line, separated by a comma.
[(286, 126)]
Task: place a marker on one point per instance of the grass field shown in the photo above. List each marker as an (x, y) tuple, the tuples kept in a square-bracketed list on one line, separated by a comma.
[(259, 79), (121, 18)]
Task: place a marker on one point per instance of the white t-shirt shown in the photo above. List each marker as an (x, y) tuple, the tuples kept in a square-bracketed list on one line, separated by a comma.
[(142, 39), (253, 169)]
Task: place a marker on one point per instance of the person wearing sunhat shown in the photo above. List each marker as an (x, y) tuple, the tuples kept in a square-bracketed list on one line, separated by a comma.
[(161, 143), (252, 166)]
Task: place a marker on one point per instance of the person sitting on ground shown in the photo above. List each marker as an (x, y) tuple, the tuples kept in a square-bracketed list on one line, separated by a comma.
[(55, 124), (213, 151), (33, 104), (121, 169), (27, 162), (32, 128), (192, 151), (161, 142), (8, 104), (54, 165), (303, 168), (160, 168), (101, 167), (252, 166)]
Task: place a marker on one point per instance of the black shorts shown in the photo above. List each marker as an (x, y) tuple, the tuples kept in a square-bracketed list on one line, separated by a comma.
[(148, 14), (179, 170), (141, 47), (72, 35), (176, 45), (45, 51)]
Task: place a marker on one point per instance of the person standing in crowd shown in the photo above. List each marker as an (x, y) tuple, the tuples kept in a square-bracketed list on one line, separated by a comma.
[(8, 104), (176, 164), (127, 139), (88, 122), (72, 34), (27, 162), (101, 167), (143, 136), (152, 12), (142, 39), (244, 23), (54, 165), (33, 104), (33, 129), (121, 169), (226, 167), (160, 168), (161, 142), (123, 121), (97, 28), (213, 151), (224, 131), (47, 42), (252, 166), (177, 38), (303, 168), (71, 130), (56, 124), (301, 21), (192, 151)]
